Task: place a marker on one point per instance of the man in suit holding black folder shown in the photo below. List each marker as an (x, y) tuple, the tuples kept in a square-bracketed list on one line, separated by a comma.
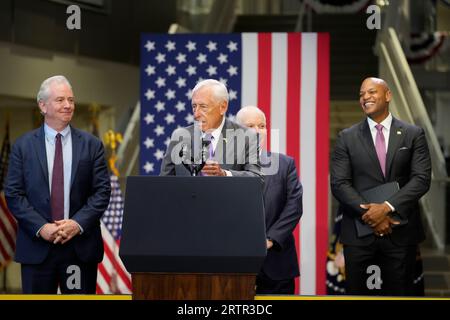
[(376, 154)]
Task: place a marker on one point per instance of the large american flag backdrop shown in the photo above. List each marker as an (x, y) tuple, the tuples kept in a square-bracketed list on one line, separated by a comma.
[(284, 74)]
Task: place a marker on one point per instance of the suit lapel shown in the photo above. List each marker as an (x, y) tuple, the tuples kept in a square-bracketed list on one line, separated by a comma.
[(76, 147), (41, 152), (196, 142), (396, 135), (221, 147), (367, 142), (266, 160)]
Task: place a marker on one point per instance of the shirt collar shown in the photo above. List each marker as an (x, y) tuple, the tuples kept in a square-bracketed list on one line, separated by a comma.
[(50, 133), (216, 132), (386, 123)]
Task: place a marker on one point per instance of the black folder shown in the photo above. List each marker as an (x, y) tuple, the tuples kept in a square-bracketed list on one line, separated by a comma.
[(379, 194)]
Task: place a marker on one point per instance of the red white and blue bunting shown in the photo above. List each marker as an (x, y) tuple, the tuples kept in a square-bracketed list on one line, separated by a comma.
[(427, 45)]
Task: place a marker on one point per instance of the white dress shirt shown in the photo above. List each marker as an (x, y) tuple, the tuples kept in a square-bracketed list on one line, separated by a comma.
[(216, 134), (215, 140), (386, 123)]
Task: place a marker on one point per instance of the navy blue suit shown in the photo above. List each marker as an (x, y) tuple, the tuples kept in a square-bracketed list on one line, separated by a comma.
[(28, 196), (283, 209)]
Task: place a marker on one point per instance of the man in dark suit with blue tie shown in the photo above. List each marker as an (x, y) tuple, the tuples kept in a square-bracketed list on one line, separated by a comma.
[(283, 209), (376, 151), (58, 187)]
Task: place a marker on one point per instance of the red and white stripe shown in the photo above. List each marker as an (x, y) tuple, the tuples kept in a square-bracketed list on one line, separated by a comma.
[(112, 277), (287, 76), (8, 231)]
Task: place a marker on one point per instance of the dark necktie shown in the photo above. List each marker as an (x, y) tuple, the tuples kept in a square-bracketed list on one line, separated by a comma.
[(57, 196), (380, 146)]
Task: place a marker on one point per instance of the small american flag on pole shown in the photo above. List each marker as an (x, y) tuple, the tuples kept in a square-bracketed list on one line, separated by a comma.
[(8, 224), (112, 277), (284, 74)]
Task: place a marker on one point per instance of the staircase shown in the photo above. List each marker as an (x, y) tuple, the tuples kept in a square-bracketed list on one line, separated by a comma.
[(343, 114), (351, 55), (436, 267), (265, 23)]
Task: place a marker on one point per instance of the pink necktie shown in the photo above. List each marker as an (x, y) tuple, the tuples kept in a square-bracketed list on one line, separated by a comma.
[(380, 146), (57, 195)]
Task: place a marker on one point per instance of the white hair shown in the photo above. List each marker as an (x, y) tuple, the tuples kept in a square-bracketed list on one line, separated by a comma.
[(240, 116), (219, 90), (44, 90)]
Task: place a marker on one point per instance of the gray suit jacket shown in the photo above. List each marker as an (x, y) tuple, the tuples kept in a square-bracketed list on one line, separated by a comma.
[(236, 151)]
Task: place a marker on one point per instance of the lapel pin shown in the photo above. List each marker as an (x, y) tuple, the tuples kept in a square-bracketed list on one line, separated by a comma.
[(399, 132)]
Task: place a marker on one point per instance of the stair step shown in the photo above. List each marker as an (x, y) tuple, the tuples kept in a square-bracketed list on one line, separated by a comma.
[(351, 45), (345, 114), (437, 293), (436, 263), (436, 281), (436, 267)]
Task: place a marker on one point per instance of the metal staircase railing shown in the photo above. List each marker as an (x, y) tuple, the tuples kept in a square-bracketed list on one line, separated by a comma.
[(407, 104), (128, 151)]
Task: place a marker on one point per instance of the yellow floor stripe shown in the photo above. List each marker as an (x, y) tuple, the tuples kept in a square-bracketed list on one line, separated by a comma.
[(129, 297), (63, 297), (343, 298)]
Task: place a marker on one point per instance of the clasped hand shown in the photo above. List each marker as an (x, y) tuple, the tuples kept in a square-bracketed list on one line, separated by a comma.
[(377, 217), (212, 168), (60, 231)]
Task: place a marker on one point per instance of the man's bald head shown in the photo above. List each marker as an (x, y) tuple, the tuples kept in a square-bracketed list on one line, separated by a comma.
[(252, 117), (374, 97), (249, 111), (377, 81)]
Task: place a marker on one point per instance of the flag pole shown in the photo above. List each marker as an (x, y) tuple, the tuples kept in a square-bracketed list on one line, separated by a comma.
[(4, 279), (95, 108), (111, 140), (3, 174)]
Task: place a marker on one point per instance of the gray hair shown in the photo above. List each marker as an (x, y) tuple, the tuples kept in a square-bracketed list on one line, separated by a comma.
[(240, 116), (219, 90), (44, 90)]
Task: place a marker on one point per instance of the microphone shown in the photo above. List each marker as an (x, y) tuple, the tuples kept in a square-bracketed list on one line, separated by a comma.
[(183, 152), (199, 163), (187, 163), (206, 150)]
